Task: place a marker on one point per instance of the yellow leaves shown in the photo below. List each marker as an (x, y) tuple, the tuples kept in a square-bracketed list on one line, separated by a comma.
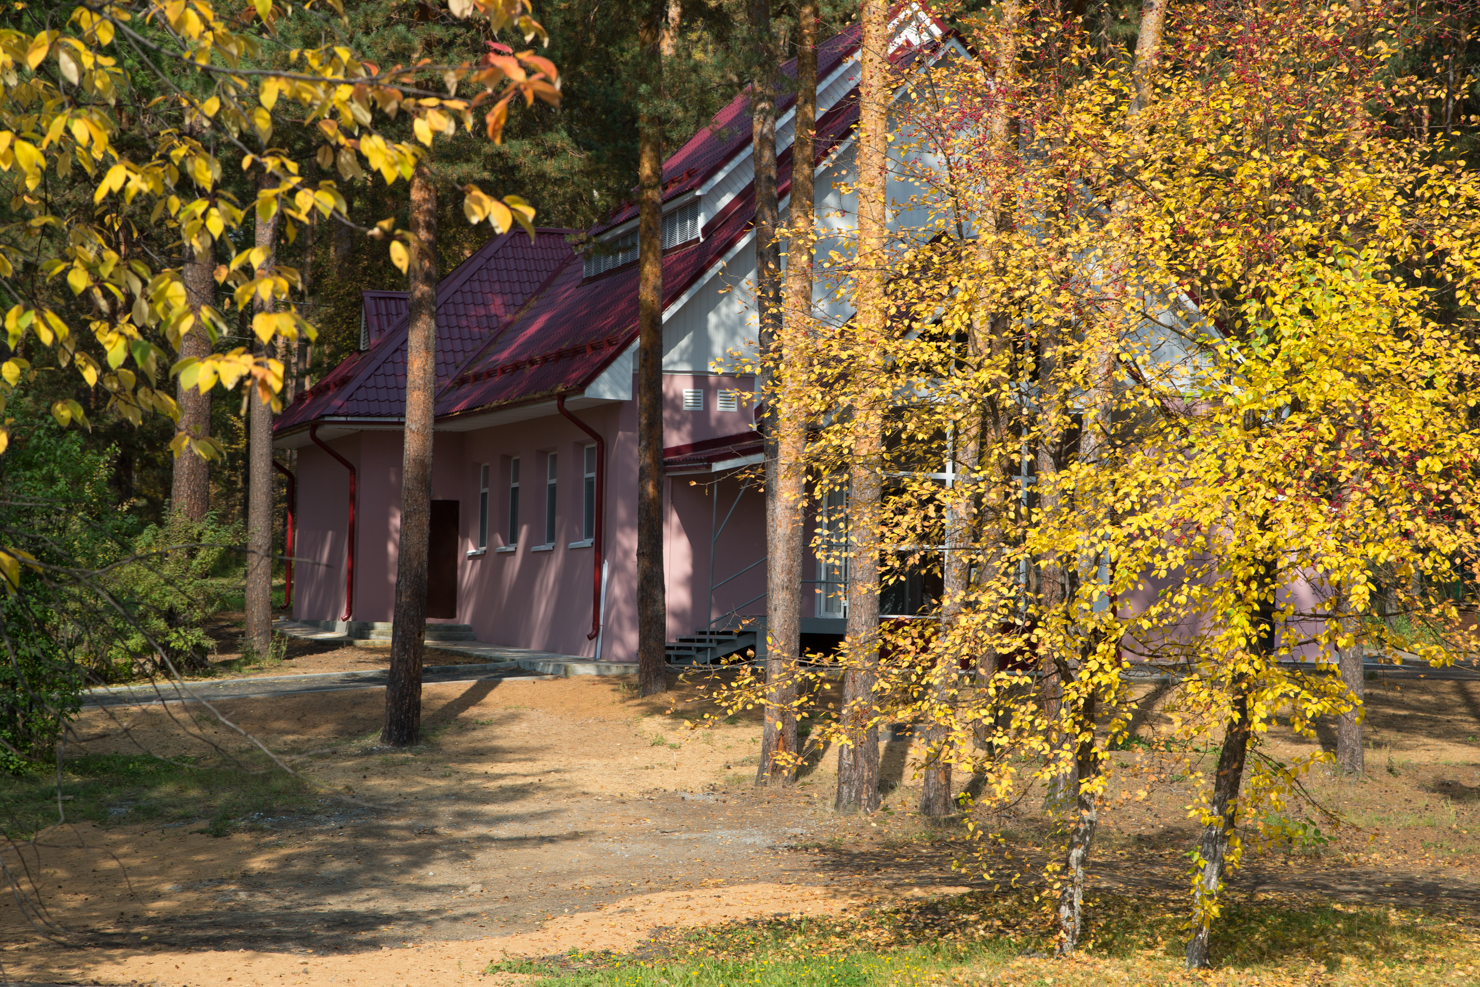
[(68, 411), (262, 123), (423, 130), (269, 94), (11, 560), (399, 256), (40, 45), (112, 182), (67, 64)]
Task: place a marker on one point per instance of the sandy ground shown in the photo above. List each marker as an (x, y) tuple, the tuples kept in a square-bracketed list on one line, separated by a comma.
[(543, 816)]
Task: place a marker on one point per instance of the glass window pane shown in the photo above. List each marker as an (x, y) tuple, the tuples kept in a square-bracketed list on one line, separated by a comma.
[(483, 519), (588, 513)]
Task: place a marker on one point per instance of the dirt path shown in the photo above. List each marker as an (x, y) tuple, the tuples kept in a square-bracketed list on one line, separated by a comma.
[(548, 815)]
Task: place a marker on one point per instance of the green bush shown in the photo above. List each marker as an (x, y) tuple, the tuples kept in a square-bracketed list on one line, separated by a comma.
[(166, 591), (105, 600)]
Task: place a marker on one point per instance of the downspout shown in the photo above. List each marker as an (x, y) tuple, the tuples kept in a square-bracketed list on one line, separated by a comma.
[(349, 555), (596, 542), (288, 536)]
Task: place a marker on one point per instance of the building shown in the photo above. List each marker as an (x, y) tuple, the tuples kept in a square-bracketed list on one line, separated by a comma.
[(535, 481)]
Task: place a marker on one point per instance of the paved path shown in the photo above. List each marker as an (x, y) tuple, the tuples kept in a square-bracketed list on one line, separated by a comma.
[(284, 685)]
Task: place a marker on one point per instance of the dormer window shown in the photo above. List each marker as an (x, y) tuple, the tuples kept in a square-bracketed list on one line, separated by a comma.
[(679, 226)]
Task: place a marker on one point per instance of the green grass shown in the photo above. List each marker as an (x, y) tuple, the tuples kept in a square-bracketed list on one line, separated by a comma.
[(974, 938), (128, 788)]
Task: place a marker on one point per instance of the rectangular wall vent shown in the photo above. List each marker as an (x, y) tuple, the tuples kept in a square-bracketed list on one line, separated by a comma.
[(728, 400), (693, 400)]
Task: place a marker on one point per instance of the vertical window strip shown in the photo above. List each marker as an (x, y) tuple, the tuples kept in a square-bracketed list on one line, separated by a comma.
[(483, 505), (550, 499), (588, 501), (513, 538)]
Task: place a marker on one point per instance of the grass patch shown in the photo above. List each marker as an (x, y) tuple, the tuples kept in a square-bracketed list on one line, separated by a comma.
[(127, 788), (1007, 937)]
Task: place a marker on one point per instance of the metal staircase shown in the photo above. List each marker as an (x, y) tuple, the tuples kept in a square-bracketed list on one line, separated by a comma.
[(708, 647)]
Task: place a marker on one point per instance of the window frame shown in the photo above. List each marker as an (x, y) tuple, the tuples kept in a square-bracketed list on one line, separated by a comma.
[(552, 464), (483, 471), (511, 533), (588, 492)]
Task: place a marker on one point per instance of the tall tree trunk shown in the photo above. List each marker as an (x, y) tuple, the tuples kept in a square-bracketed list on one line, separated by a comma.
[(652, 604), (259, 468), (1082, 830), (1212, 849), (190, 491), (409, 623), (1349, 755), (786, 426), (858, 758), (858, 755)]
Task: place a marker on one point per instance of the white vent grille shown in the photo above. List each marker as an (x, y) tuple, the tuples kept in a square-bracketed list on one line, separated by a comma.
[(615, 254), (679, 226), (693, 400), (727, 400)]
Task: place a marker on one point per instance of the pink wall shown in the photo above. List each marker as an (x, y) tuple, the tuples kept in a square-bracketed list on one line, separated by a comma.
[(527, 598), (319, 538)]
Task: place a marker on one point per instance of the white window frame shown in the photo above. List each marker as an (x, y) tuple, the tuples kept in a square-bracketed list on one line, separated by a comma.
[(482, 507), (588, 495), (551, 501), (832, 585), (512, 532)]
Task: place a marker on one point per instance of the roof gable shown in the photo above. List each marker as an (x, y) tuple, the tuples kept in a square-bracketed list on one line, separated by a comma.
[(474, 303)]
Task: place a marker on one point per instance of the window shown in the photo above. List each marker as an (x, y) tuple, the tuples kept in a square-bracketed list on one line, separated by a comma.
[(513, 538), (588, 498), (483, 506), (693, 400), (833, 563), (550, 499), (728, 400), (679, 226)]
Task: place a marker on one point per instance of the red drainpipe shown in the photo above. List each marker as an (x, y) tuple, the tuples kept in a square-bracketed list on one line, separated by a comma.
[(596, 542), (288, 535), (349, 555)]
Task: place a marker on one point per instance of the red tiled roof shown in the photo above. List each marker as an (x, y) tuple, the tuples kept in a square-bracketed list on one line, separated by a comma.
[(474, 302), (577, 326), (729, 132), (518, 321)]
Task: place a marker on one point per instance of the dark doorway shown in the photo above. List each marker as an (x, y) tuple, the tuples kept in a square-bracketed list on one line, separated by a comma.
[(442, 560)]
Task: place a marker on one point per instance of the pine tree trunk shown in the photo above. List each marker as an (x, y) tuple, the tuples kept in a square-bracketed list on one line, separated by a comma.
[(190, 491), (409, 623), (858, 755), (858, 759), (652, 605), (786, 431), (259, 471)]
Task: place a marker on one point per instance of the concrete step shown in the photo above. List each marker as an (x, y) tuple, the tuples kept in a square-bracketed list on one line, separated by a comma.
[(435, 632)]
